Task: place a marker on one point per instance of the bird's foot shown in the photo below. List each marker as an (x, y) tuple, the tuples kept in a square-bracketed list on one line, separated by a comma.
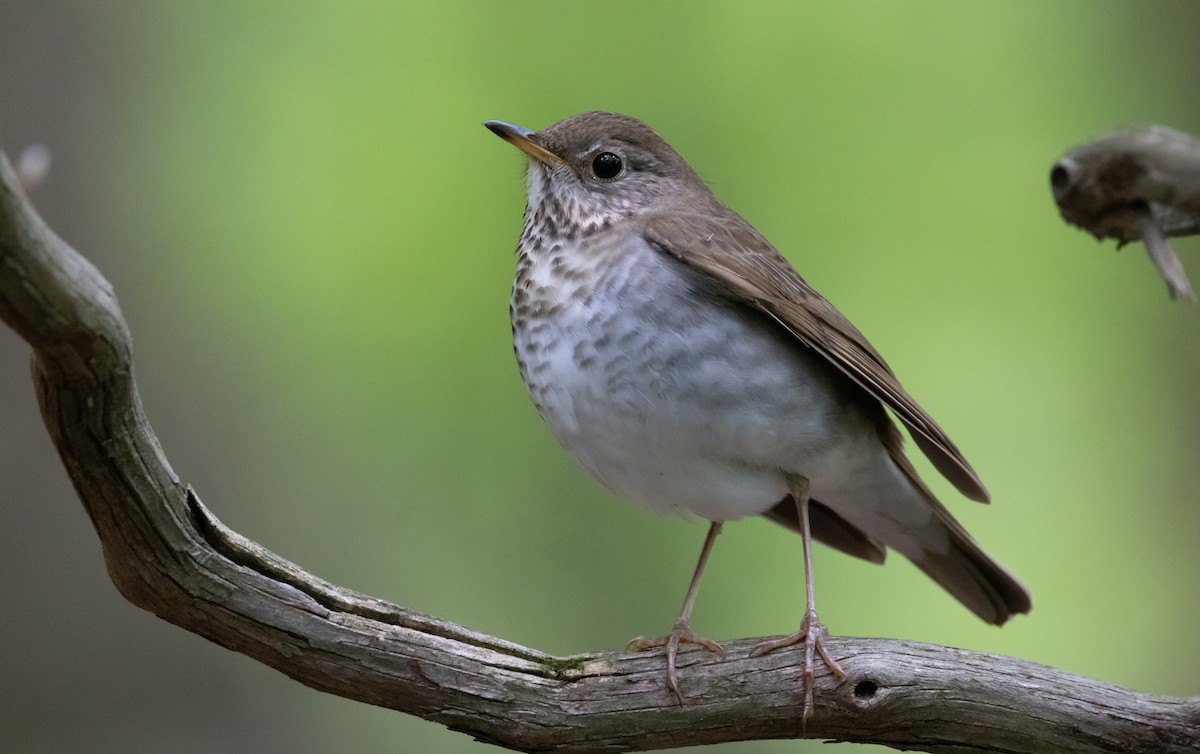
[(681, 633), (812, 633)]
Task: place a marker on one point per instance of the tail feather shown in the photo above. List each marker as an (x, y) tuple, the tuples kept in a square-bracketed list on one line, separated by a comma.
[(977, 581), (829, 528), (963, 569)]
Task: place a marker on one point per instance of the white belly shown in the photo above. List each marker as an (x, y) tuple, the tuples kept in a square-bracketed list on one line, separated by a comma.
[(677, 401)]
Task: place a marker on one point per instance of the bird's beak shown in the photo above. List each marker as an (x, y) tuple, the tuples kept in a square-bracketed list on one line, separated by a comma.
[(519, 138)]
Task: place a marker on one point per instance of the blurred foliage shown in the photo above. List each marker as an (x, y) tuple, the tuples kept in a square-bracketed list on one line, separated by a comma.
[(311, 236)]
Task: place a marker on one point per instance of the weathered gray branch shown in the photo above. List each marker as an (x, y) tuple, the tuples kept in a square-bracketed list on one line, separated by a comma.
[(166, 553)]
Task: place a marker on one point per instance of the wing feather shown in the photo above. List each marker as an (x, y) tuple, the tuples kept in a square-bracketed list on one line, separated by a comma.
[(727, 248)]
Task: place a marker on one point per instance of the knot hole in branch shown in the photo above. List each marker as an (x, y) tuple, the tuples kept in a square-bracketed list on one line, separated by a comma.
[(866, 692)]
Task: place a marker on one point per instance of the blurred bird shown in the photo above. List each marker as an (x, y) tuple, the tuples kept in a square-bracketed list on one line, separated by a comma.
[(1137, 184)]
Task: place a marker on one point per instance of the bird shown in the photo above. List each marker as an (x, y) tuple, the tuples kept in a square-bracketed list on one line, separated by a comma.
[(684, 363), (1138, 183)]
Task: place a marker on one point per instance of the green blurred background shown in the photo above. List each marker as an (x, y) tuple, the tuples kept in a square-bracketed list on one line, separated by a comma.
[(311, 235)]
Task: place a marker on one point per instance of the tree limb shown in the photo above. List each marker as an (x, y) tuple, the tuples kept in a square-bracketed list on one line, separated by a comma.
[(168, 554)]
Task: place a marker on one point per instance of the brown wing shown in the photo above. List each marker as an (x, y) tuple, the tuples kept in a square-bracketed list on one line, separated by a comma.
[(723, 245)]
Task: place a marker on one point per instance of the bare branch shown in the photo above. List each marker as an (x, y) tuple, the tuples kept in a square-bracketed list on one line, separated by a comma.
[(32, 166), (166, 553), (1136, 184)]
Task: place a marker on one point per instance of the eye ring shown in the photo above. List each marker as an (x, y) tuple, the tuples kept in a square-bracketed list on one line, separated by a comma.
[(607, 165)]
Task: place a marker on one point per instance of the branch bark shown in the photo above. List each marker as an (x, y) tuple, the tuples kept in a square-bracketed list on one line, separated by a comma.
[(168, 554)]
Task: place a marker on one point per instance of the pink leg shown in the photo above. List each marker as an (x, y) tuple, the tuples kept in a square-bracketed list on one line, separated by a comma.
[(681, 632), (811, 632)]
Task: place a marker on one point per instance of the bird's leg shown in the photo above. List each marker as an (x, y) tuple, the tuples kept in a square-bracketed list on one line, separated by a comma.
[(681, 632), (811, 632)]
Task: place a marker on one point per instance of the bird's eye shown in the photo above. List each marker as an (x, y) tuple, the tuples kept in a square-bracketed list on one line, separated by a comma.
[(606, 165)]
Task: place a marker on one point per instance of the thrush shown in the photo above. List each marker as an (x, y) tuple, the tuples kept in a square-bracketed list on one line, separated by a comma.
[(680, 359)]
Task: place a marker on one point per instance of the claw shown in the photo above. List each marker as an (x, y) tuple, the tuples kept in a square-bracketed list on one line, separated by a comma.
[(681, 633), (812, 633)]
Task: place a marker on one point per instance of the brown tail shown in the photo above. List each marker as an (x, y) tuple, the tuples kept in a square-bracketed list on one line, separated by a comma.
[(975, 580), (964, 569)]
